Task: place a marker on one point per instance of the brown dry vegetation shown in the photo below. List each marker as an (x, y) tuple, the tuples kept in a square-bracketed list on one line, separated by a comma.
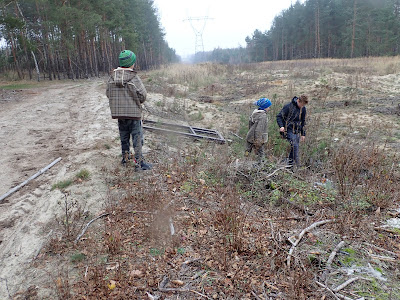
[(207, 224)]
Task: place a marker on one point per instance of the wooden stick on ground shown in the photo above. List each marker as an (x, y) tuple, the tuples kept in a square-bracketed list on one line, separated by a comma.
[(380, 249), (344, 284), (87, 226), (294, 244), (328, 289), (29, 179), (330, 260), (333, 254)]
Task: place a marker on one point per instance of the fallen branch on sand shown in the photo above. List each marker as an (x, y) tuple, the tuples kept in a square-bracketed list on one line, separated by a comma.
[(87, 226)]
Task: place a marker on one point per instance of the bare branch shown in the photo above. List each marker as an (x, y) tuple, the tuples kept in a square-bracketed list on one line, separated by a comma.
[(295, 243), (87, 226), (344, 284)]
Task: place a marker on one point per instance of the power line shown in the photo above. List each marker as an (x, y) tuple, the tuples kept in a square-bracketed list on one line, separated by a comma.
[(199, 45)]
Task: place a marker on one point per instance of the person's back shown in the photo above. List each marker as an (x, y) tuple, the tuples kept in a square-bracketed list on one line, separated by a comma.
[(126, 93), (257, 136), (258, 127), (124, 86)]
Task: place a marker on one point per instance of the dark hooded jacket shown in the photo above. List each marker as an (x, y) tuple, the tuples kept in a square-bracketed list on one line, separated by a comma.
[(292, 118), (126, 93)]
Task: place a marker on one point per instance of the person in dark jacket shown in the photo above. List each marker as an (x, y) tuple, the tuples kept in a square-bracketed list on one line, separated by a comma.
[(126, 93), (292, 121)]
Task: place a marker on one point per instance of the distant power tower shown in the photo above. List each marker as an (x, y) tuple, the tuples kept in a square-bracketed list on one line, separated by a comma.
[(199, 45)]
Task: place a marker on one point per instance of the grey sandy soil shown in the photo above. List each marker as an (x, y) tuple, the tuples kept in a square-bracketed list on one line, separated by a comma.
[(68, 120)]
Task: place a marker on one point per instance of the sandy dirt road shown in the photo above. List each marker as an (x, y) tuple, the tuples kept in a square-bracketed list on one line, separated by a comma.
[(70, 120)]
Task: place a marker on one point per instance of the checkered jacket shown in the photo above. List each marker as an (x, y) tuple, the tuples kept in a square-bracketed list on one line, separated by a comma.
[(258, 128), (126, 93)]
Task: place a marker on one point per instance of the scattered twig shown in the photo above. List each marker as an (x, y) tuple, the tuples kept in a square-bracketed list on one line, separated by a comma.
[(336, 295), (171, 226), (343, 297), (384, 258), (297, 218), (333, 254), (8, 291), (312, 226), (200, 294), (271, 286), (162, 288), (273, 173), (255, 295), (87, 226), (189, 261), (387, 230), (330, 260), (380, 249), (181, 290), (151, 297), (328, 289), (238, 136), (195, 202), (344, 284), (244, 175)]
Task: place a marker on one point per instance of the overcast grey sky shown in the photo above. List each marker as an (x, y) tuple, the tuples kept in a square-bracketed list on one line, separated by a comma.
[(227, 27)]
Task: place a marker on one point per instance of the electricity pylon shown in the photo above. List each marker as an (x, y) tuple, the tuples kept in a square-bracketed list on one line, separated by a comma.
[(199, 45)]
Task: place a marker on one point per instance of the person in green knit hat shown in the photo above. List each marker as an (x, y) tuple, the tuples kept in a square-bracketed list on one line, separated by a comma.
[(126, 94)]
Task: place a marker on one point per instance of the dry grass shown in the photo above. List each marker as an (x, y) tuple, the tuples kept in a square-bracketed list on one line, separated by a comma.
[(232, 222)]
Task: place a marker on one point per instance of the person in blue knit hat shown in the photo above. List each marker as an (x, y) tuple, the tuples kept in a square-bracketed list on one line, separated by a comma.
[(257, 136)]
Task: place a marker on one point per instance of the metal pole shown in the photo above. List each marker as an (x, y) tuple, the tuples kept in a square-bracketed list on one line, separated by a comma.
[(29, 179)]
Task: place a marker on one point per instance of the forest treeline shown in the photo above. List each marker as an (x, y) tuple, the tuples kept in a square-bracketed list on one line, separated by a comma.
[(82, 38), (56, 39), (322, 29)]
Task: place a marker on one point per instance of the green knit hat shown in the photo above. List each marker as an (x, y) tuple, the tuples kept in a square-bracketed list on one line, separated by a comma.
[(127, 58)]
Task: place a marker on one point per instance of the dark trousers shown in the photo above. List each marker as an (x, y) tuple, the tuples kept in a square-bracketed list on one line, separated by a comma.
[(294, 140), (127, 129)]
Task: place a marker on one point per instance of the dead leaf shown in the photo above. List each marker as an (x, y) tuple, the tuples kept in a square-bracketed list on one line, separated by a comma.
[(203, 231), (112, 284), (59, 282), (312, 237), (113, 266), (178, 282), (136, 273)]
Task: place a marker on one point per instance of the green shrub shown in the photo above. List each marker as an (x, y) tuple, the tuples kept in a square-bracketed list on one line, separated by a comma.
[(62, 184)]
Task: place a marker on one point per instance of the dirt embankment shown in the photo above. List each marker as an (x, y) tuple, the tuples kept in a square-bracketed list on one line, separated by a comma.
[(68, 120)]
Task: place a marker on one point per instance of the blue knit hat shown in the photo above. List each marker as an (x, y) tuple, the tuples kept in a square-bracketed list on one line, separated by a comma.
[(263, 103)]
